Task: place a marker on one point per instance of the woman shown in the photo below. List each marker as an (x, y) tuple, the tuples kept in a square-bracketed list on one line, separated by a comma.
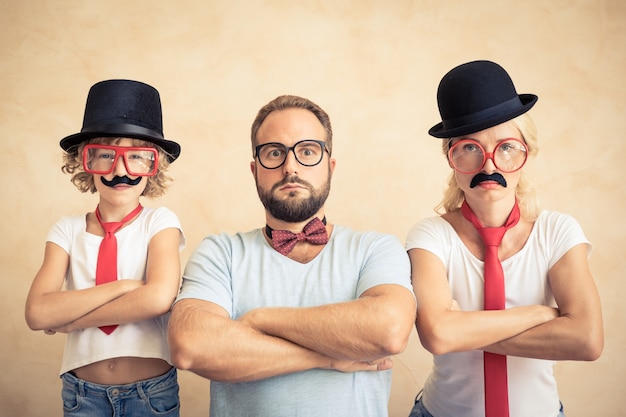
[(503, 329)]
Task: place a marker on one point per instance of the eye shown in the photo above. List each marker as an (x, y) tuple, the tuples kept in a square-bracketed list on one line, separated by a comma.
[(272, 152), (471, 147), (507, 147), (105, 156), (309, 151), (511, 146)]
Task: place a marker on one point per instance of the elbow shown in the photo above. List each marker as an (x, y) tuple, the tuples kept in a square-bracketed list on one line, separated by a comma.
[(434, 347), (161, 304), (435, 342), (396, 343), (592, 348), (396, 338), (33, 320), (181, 353), (180, 359)]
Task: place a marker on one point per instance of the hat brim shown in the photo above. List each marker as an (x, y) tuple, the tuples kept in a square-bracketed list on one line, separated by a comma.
[(170, 147), (438, 131)]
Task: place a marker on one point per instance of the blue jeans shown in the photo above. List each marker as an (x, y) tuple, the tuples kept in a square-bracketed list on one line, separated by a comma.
[(420, 411), (152, 397)]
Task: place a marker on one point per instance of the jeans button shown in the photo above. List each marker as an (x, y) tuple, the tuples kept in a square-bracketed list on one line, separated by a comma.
[(115, 392)]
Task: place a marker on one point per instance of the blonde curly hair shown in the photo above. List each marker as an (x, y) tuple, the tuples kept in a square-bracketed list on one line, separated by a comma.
[(73, 165)]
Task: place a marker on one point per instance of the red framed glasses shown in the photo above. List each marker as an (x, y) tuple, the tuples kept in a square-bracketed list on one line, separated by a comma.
[(101, 159), (467, 156)]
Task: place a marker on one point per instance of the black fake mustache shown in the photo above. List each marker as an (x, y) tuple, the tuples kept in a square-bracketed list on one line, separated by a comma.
[(120, 180), (480, 177)]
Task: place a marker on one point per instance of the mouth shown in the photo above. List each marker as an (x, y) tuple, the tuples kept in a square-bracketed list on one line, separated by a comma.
[(291, 187)]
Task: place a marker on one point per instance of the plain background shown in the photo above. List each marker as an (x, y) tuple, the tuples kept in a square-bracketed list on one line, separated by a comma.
[(374, 66)]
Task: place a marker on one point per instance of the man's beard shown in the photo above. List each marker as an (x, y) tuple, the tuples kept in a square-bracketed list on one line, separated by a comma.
[(294, 209)]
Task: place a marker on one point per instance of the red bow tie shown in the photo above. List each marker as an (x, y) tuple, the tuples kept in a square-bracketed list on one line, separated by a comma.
[(284, 241)]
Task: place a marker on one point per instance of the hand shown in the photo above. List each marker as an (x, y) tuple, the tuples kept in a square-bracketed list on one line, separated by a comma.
[(381, 364), (63, 329)]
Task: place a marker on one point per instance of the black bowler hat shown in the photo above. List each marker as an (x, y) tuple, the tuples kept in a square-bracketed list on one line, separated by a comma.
[(123, 108), (476, 96)]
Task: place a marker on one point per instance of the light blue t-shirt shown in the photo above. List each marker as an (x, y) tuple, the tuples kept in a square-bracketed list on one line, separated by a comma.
[(241, 272)]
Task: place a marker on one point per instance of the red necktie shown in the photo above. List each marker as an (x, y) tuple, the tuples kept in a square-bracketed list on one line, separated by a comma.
[(284, 241), (106, 268), (496, 384)]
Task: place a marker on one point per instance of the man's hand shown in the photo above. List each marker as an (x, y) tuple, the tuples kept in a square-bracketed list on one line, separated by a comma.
[(351, 366)]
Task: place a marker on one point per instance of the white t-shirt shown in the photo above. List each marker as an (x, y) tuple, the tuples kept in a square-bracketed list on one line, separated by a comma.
[(146, 339), (455, 386)]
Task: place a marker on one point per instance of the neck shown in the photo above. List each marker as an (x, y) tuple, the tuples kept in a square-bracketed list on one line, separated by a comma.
[(115, 213), (278, 224), (492, 213), (269, 230)]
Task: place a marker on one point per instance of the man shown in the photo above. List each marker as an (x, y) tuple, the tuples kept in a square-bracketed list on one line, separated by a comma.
[(272, 329), (493, 249)]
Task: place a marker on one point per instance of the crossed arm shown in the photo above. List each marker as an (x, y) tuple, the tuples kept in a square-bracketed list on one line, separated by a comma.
[(353, 336), (571, 332), (49, 307)]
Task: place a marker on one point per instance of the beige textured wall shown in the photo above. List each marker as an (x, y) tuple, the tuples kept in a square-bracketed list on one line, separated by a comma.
[(374, 66)]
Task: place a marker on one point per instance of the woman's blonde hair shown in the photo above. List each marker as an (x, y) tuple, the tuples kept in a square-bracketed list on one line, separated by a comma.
[(525, 192), (73, 165)]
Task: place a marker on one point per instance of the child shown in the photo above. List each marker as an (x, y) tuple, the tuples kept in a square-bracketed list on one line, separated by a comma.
[(119, 285)]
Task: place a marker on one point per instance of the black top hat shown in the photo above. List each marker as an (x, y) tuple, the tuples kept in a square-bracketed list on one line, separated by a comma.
[(476, 96), (123, 108)]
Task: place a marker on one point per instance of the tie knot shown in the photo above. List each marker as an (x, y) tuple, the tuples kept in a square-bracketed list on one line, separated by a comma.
[(492, 236), (111, 227)]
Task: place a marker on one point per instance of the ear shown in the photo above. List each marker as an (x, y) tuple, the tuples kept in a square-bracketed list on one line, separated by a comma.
[(332, 163), (253, 168)]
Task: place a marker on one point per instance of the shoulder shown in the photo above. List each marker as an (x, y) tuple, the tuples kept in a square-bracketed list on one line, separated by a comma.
[(229, 242), (158, 213), (70, 224), (343, 234), (554, 222), (559, 232), (430, 228)]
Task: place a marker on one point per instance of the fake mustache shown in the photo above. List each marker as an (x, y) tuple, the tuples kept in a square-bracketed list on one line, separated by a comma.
[(120, 180), (480, 177)]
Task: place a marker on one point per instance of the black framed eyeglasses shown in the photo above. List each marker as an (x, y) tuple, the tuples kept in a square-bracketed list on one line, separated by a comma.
[(308, 152)]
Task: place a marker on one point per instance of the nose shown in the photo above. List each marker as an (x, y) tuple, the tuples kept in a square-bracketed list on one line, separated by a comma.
[(489, 166), (120, 166), (290, 166)]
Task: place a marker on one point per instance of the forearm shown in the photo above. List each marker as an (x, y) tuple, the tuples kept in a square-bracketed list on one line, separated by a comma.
[(60, 308), (458, 331), (220, 349), (365, 329), (143, 303), (577, 334), (560, 339)]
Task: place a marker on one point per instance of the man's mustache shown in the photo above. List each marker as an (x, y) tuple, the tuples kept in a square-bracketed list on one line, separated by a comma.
[(480, 177), (291, 180), (120, 180)]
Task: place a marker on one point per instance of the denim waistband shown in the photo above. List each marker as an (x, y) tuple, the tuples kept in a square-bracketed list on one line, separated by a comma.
[(135, 389)]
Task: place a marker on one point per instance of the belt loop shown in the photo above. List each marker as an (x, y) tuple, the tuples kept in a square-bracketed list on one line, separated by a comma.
[(140, 391), (81, 387), (419, 396)]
